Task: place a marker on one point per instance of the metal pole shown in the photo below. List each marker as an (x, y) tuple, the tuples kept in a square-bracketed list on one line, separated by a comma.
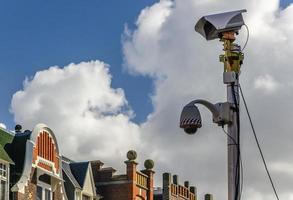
[(233, 154), (232, 60)]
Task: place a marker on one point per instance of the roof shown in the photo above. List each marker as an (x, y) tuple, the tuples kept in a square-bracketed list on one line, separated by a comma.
[(119, 177), (5, 138), (67, 171), (66, 159), (4, 155), (108, 169), (79, 170)]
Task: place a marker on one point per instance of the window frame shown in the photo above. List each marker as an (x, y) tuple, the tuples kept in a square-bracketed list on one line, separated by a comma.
[(45, 187), (77, 195), (4, 169)]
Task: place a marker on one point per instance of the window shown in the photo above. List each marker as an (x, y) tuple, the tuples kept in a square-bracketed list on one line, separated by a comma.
[(3, 171), (3, 181), (39, 193), (44, 193), (47, 194)]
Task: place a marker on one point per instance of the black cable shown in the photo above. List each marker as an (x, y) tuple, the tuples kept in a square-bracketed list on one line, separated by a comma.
[(247, 38), (258, 145), (233, 140), (241, 176)]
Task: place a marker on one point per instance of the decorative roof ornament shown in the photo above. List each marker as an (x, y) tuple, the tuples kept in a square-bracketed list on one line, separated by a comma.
[(131, 155), (149, 164)]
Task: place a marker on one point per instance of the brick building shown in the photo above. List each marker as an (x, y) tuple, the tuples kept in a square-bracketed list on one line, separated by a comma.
[(36, 172), (134, 185), (172, 190), (31, 167)]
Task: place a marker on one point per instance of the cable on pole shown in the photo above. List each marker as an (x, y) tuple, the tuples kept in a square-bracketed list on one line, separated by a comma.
[(247, 38), (258, 145)]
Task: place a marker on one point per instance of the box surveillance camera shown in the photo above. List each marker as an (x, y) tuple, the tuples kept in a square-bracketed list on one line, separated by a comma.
[(211, 26)]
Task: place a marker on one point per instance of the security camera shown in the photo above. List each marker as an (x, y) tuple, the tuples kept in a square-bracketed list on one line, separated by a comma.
[(190, 119), (212, 26)]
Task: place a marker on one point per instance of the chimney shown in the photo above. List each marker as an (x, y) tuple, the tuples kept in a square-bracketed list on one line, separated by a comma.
[(175, 179), (166, 185), (193, 189), (186, 184), (208, 197)]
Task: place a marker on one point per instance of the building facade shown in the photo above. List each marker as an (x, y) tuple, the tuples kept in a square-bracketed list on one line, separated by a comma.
[(78, 180), (172, 190), (36, 172), (134, 185), (32, 168), (5, 162)]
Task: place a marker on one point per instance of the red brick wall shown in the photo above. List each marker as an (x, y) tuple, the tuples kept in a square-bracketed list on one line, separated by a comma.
[(124, 189), (122, 192), (57, 195)]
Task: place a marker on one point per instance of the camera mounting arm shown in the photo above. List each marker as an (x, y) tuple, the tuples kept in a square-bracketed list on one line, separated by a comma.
[(190, 115), (220, 111), (208, 105)]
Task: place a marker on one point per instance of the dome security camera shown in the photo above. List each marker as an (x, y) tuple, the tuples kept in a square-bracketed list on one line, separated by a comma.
[(190, 119)]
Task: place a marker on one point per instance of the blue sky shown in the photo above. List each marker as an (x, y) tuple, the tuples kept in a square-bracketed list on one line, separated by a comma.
[(35, 35)]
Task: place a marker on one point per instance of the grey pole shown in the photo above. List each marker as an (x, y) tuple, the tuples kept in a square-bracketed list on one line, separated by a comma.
[(232, 143), (232, 60)]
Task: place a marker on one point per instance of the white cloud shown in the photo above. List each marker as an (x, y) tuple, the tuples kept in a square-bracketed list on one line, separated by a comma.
[(184, 66), (266, 82), (283, 167), (91, 119)]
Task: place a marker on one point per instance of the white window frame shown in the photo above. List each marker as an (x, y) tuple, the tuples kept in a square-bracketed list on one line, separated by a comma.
[(4, 178), (44, 187), (77, 195)]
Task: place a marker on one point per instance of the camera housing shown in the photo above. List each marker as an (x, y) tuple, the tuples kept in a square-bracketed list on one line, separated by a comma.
[(212, 26), (190, 119)]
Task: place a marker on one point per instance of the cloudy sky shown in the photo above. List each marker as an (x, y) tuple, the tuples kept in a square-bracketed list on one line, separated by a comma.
[(112, 76)]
